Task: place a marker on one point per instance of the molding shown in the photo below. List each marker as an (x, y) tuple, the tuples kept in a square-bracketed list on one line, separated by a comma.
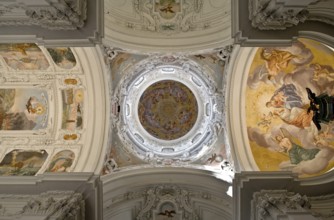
[(77, 187), (194, 27), (245, 34), (245, 184), (237, 129), (276, 15), (59, 15), (95, 133), (177, 201), (146, 191), (50, 204), (89, 34), (269, 204), (320, 37)]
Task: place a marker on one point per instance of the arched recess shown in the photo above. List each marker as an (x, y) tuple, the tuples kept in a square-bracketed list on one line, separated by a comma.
[(143, 26), (262, 125), (181, 192), (54, 109)]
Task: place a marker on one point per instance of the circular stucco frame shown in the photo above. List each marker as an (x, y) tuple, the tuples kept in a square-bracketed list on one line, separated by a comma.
[(186, 148)]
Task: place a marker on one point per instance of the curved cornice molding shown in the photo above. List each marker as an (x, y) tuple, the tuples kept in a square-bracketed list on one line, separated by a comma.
[(134, 25), (126, 192), (317, 36), (241, 60), (96, 133)]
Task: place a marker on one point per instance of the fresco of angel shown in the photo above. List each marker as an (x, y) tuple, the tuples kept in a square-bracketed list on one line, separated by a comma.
[(293, 112)]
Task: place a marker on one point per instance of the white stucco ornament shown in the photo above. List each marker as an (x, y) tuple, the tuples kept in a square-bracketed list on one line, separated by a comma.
[(204, 131)]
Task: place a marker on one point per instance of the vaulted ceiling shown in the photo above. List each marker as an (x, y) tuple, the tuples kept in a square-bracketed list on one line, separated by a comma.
[(166, 87)]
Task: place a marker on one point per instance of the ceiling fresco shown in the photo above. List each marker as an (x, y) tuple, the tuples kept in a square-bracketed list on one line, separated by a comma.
[(23, 109), (61, 161), (24, 56), (43, 112), (22, 162), (63, 57), (167, 109), (161, 101), (289, 108)]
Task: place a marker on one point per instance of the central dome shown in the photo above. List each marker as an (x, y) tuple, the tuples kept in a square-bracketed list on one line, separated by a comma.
[(167, 110)]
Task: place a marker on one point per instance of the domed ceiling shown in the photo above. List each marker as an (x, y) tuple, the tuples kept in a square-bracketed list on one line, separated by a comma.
[(168, 110)]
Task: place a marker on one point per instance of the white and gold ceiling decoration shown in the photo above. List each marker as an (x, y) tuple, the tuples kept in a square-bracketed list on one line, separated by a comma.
[(190, 91), (167, 25), (62, 110), (47, 96)]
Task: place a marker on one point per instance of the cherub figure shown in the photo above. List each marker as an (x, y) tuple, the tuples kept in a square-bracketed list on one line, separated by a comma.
[(322, 72), (276, 60), (265, 120)]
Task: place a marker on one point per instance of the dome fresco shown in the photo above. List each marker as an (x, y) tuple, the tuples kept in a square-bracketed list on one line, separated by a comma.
[(167, 110), (290, 122)]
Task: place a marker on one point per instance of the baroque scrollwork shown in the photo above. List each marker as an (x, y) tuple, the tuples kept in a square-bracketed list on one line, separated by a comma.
[(59, 205), (110, 53), (225, 53), (175, 17), (168, 200), (274, 15), (63, 15), (270, 203), (130, 130)]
